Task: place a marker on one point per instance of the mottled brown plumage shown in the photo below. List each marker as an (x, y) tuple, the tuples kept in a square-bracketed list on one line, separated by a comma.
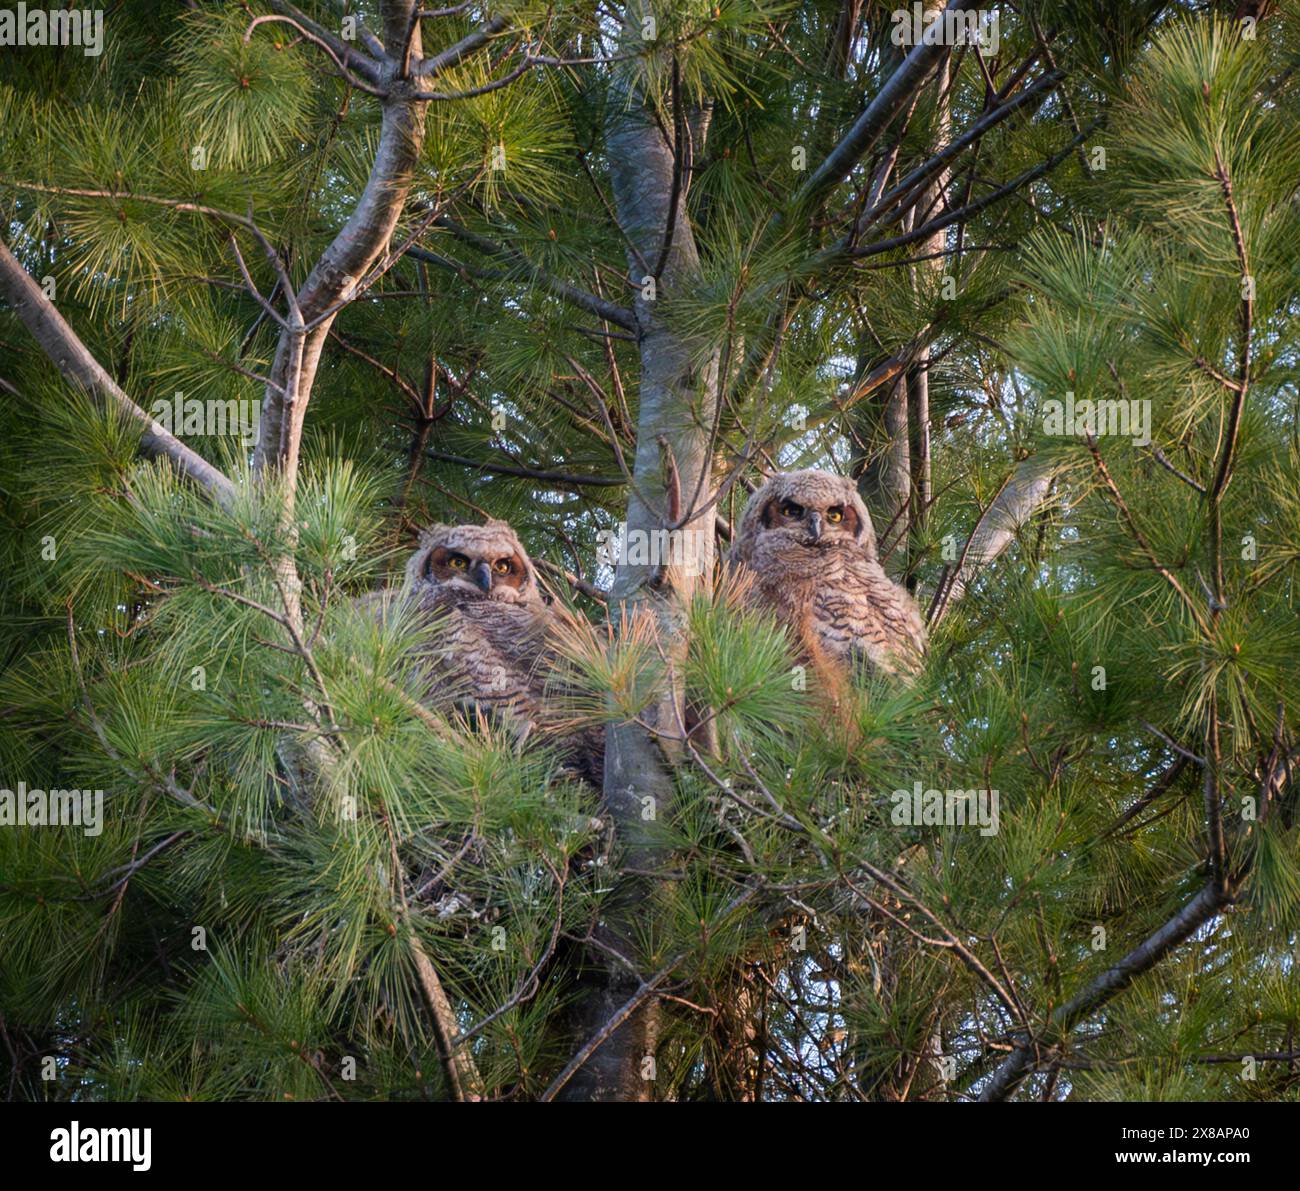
[(494, 651), (808, 539), (480, 582)]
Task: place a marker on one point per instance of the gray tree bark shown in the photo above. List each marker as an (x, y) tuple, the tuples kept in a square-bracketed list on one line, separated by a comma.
[(918, 381), (885, 479), (672, 485)]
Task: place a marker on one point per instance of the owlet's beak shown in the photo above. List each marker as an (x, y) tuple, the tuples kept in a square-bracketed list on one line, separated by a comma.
[(815, 526), (481, 574)]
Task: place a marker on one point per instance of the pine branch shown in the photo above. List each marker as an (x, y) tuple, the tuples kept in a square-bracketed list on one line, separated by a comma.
[(611, 312), (1205, 907), (1138, 536), (347, 60), (528, 473), (897, 92), (894, 201), (78, 366), (643, 992), (429, 68), (964, 213), (466, 1082), (1202, 909)]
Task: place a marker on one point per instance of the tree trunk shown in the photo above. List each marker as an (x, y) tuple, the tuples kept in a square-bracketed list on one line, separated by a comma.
[(356, 248), (672, 481), (885, 477), (918, 381)]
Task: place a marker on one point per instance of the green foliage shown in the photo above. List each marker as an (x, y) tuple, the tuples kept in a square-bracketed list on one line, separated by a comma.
[(146, 647), (245, 94)]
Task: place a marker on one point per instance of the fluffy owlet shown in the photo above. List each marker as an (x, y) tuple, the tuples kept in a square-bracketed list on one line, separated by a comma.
[(808, 539), (494, 644), (481, 580)]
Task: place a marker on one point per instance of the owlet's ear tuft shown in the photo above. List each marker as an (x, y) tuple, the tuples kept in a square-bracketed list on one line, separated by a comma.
[(866, 531)]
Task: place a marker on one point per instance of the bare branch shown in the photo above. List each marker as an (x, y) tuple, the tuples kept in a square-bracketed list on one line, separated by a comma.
[(602, 308), (1203, 908), (528, 473), (871, 124), (1020, 497), (430, 67), (339, 52)]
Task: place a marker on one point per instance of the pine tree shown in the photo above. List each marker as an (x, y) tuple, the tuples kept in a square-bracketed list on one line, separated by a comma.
[(283, 286)]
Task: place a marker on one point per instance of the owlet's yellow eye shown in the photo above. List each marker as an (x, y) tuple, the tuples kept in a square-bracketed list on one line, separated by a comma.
[(835, 515), (501, 566), (457, 562), (790, 509)]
